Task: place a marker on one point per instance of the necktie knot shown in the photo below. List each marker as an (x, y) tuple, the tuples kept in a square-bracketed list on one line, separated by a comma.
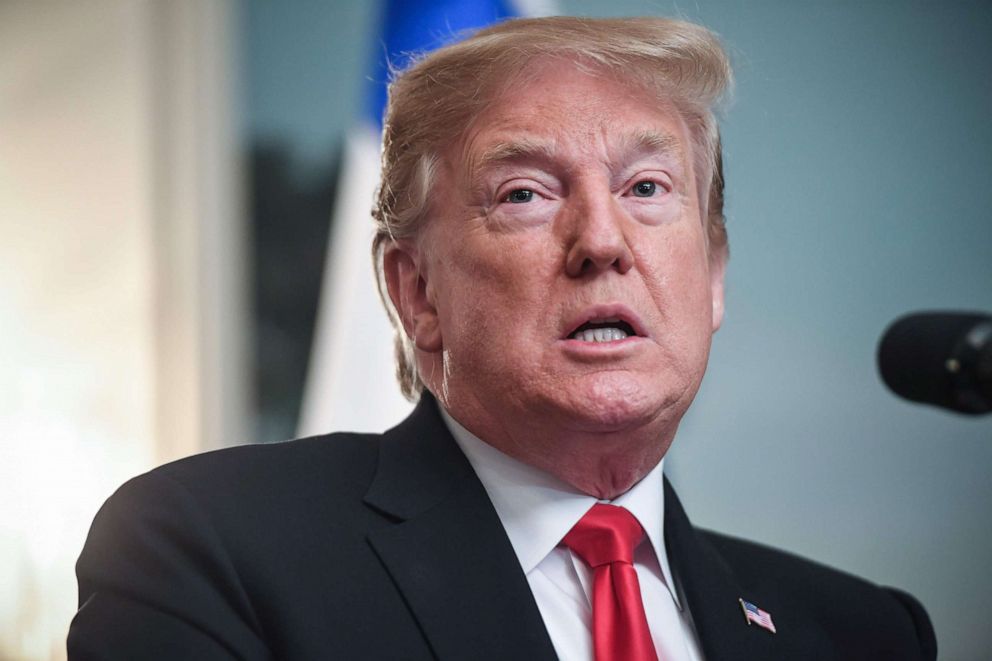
[(605, 534)]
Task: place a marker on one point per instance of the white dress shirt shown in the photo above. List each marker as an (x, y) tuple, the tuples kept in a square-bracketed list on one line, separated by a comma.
[(537, 510)]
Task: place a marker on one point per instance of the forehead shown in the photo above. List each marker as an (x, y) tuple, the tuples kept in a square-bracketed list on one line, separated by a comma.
[(560, 107)]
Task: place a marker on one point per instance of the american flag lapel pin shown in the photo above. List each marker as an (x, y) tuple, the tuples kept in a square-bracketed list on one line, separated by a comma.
[(754, 614)]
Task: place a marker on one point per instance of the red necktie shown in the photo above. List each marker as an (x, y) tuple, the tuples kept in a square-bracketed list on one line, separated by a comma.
[(605, 539)]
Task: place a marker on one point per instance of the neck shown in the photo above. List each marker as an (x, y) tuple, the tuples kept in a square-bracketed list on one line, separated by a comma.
[(603, 466), (604, 463)]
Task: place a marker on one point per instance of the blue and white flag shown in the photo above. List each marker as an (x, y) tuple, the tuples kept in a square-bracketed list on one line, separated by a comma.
[(351, 382)]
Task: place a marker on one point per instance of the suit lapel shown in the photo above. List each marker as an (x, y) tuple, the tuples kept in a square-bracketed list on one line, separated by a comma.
[(712, 591), (448, 552), (455, 567)]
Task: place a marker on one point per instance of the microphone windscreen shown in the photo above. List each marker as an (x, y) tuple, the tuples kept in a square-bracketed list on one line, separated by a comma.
[(918, 354)]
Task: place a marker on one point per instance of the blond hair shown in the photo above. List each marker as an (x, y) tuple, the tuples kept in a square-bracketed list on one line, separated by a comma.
[(434, 101)]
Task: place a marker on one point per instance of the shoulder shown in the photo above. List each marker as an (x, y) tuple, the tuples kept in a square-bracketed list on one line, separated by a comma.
[(245, 487), (237, 501), (858, 614), (183, 552), (337, 462)]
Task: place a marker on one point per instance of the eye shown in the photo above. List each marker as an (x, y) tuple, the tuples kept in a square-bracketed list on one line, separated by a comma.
[(519, 196), (644, 189)]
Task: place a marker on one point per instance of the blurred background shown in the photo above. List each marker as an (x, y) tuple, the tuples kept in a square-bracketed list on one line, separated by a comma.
[(184, 190)]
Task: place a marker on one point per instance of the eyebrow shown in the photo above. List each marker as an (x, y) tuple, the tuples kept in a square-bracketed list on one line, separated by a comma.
[(527, 149), (647, 141), (522, 149)]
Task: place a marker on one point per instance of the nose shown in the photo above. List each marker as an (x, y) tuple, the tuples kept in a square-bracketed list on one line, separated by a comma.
[(597, 241)]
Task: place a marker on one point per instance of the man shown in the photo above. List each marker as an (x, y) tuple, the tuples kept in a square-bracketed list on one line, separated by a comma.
[(550, 236)]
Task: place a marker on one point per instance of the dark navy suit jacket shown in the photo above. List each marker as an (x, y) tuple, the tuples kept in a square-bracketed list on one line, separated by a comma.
[(367, 546)]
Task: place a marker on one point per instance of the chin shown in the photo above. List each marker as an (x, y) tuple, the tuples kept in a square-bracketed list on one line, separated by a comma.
[(613, 403)]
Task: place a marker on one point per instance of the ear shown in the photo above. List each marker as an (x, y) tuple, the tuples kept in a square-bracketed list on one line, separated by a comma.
[(718, 268), (406, 282)]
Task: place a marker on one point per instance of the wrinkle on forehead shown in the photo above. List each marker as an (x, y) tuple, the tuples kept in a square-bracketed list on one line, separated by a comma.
[(620, 149), (578, 73)]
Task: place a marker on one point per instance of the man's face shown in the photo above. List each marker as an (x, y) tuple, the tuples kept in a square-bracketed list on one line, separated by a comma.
[(565, 281)]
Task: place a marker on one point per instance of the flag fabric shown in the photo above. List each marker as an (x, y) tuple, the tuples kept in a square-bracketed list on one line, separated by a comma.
[(754, 614), (351, 382)]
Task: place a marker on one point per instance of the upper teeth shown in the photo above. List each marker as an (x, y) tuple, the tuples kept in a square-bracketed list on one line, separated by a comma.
[(600, 335)]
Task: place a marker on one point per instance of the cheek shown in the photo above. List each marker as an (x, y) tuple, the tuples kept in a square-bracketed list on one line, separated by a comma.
[(497, 266), (676, 273), (493, 286)]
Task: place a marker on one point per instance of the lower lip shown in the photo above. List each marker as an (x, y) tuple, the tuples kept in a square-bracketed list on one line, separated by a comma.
[(602, 349)]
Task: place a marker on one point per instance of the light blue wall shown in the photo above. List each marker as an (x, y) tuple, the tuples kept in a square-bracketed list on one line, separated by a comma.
[(858, 153), (305, 65)]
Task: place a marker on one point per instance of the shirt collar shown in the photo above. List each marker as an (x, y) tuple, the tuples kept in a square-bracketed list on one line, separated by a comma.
[(537, 509)]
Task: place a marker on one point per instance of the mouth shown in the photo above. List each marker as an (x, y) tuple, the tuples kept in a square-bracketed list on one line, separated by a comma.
[(608, 329)]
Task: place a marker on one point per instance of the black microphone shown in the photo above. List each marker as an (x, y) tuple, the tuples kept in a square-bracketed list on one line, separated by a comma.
[(940, 358)]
